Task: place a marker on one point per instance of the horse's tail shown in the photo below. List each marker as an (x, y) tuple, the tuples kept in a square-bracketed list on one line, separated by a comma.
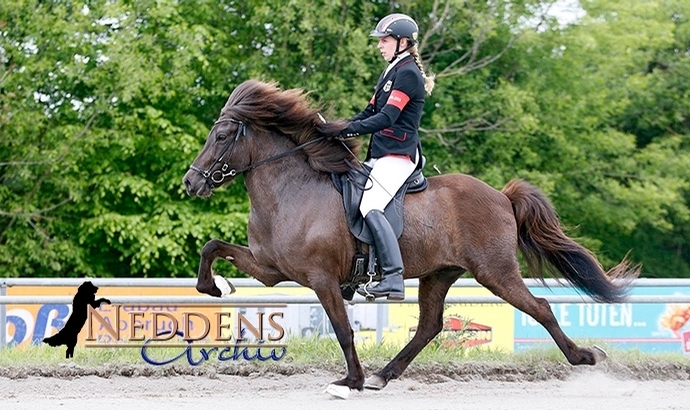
[(546, 248)]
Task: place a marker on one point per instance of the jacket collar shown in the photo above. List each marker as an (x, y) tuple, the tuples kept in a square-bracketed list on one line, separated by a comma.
[(395, 62)]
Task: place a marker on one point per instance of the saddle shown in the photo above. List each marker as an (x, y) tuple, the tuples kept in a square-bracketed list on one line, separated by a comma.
[(351, 185)]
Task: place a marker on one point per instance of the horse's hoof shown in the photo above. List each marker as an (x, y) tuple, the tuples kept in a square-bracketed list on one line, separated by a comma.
[(226, 288), (599, 354), (375, 382), (209, 290), (338, 392)]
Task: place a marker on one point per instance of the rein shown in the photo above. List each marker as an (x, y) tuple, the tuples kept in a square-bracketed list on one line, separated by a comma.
[(215, 178)]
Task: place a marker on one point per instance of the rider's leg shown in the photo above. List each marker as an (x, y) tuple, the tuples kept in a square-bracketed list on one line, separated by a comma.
[(388, 257), (387, 176)]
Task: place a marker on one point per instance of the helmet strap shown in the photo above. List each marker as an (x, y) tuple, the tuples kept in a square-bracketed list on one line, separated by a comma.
[(398, 51)]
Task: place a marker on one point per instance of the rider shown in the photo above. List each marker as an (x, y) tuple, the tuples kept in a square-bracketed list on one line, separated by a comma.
[(392, 117)]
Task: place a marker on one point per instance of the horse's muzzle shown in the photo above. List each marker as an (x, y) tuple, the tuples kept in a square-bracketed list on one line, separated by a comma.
[(196, 186)]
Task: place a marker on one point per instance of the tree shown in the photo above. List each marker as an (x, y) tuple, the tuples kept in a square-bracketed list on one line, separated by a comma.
[(104, 106)]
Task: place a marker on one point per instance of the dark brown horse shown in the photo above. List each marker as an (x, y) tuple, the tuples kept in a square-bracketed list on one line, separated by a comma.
[(298, 231)]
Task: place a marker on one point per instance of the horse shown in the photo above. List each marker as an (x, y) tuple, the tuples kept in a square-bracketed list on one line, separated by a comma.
[(297, 229)]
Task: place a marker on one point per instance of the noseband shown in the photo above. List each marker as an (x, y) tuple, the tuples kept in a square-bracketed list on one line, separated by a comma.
[(215, 178)]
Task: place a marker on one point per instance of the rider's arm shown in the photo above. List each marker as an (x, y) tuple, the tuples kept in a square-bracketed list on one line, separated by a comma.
[(366, 113), (399, 97)]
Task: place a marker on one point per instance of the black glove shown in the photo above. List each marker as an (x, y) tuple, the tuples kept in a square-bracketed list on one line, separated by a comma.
[(348, 132)]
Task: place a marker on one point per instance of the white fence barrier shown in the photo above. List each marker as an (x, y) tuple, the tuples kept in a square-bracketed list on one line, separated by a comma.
[(285, 299)]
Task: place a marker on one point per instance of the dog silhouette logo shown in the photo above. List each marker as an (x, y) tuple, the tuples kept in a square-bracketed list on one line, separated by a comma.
[(86, 295)]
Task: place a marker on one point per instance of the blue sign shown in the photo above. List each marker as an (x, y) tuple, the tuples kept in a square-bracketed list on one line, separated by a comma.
[(649, 327)]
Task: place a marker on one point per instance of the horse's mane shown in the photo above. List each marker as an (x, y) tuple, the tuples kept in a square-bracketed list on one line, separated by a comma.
[(267, 109)]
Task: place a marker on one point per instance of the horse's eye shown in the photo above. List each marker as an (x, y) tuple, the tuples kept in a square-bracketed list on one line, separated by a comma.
[(221, 137)]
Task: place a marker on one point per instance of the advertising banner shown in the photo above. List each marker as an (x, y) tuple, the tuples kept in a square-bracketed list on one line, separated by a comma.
[(29, 324), (484, 325), (650, 327), (489, 325), (655, 327)]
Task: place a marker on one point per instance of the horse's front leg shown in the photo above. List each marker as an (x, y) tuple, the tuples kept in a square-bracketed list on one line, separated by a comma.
[(332, 301), (238, 255)]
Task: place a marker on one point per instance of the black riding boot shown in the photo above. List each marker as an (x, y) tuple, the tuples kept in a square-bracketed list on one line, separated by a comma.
[(388, 256)]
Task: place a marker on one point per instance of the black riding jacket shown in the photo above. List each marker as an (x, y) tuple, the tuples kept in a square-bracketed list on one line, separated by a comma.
[(394, 112)]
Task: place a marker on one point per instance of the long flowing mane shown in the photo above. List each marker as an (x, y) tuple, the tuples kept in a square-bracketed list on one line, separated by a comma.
[(267, 109)]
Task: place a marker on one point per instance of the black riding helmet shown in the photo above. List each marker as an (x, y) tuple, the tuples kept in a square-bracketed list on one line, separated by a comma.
[(398, 26)]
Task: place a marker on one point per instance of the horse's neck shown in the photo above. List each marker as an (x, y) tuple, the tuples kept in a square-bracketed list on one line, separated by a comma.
[(285, 187), (275, 185)]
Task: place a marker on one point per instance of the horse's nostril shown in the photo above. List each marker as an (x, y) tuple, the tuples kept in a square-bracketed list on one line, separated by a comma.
[(187, 184)]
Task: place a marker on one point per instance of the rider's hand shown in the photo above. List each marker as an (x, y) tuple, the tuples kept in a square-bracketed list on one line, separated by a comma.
[(348, 133)]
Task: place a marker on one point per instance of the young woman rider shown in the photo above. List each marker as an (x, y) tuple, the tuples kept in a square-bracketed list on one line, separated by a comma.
[(392, 118)]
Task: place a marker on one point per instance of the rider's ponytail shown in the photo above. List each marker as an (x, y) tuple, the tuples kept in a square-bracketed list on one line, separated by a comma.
[(428, 78)]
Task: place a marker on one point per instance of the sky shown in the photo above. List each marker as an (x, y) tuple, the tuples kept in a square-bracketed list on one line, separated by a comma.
[(567, 11)]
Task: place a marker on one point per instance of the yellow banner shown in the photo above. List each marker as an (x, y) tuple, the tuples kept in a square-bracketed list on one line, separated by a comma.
[(474, 325), (29, 324)]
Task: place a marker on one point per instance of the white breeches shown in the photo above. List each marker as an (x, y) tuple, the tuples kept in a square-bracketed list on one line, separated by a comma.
[(388, 174)]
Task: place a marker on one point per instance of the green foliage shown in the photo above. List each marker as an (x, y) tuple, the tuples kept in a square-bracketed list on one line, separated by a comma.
[(103, 106)]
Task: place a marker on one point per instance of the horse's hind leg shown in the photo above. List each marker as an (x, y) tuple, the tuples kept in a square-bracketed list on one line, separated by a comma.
[(503, 279), (432, 294)]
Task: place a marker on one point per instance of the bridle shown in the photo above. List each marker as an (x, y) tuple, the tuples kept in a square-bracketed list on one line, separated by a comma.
[(216, 178)]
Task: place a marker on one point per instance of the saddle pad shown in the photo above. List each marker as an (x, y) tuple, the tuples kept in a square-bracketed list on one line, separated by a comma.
[(350, 186)]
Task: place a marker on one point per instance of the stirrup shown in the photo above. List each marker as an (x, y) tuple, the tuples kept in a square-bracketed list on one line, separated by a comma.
[(370, 293)]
